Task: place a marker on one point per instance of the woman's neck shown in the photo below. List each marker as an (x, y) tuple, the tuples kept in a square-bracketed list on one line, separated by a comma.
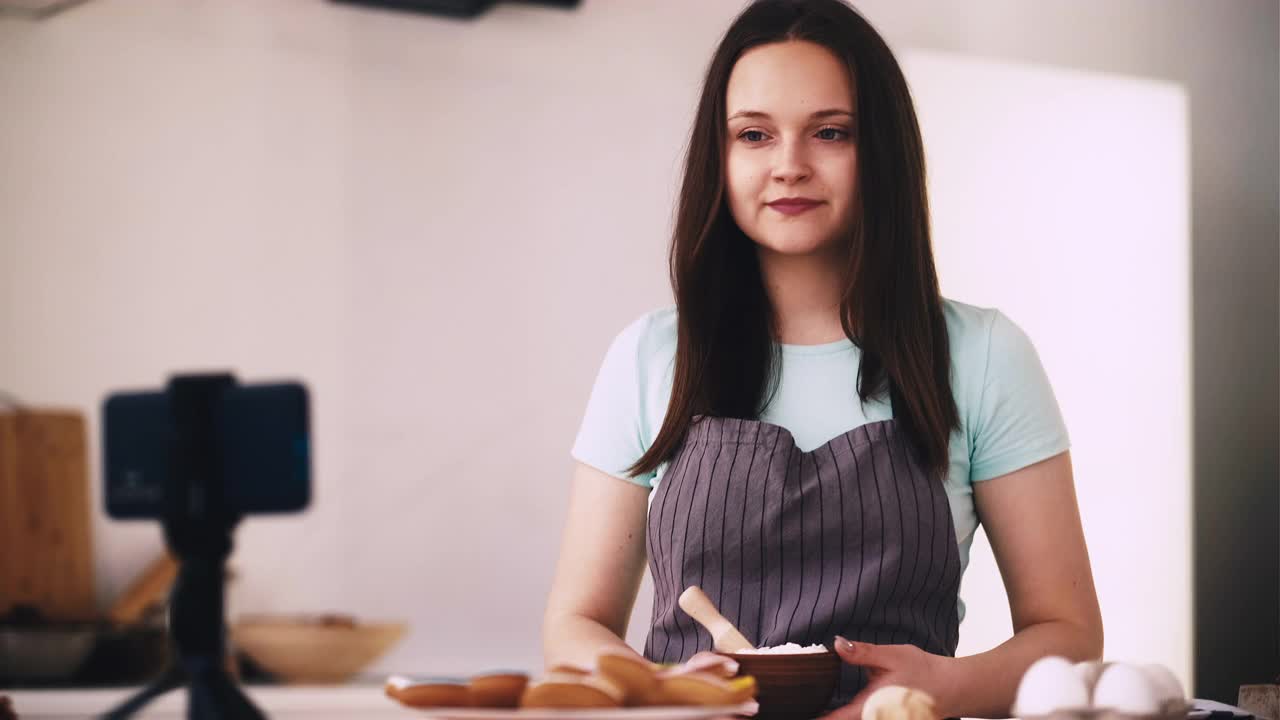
[(805, 292)]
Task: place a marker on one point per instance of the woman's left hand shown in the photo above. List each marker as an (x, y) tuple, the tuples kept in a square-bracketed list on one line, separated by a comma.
[(905, 665)]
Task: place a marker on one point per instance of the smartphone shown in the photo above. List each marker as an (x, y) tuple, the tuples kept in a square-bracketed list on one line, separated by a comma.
[(257, 435)]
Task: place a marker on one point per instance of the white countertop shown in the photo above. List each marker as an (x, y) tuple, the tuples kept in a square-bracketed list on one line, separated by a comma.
[(303, 701)]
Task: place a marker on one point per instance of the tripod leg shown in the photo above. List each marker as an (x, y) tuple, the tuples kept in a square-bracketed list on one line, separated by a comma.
[(173, 677), (215, 697), (239, 704)]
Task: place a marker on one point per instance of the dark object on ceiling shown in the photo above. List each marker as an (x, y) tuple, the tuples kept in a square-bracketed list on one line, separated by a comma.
[(452, 8), (35, 9)]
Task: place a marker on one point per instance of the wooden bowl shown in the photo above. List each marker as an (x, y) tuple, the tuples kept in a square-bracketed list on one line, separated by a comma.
[(314, 650), (793, 685)]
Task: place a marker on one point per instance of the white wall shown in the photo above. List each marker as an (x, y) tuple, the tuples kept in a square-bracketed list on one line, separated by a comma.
[(1061, 197), (441, 225), (1227, 56)]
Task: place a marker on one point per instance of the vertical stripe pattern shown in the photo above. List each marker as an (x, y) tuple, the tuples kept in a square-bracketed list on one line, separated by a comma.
[(852, 538)]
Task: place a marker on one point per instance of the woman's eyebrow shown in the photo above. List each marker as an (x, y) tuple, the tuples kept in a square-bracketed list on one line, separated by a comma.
[(829, 112)]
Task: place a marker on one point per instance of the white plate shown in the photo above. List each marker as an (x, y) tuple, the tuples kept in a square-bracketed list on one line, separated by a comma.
[(635, 713)]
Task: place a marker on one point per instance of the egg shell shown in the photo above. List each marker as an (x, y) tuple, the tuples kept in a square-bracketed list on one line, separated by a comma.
[(1051, 684), (1127, 689), (1168, 689), (1089, 672)]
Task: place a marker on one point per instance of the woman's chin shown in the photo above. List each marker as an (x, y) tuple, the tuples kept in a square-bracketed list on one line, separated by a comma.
[(794, 246)]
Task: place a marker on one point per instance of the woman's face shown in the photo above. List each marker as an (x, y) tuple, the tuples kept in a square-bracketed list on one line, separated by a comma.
[(791, 162)]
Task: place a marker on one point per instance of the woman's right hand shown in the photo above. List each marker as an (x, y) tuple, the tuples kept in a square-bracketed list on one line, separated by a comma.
[(601, 564)]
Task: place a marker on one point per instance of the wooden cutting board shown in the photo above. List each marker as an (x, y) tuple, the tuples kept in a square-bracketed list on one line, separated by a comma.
[(46, 555)]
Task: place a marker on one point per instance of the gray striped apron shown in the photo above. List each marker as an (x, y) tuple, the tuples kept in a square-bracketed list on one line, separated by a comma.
[(853, 538)]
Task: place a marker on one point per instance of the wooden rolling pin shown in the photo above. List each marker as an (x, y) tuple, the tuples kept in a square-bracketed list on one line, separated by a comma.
[(148, 588), (724, 636)]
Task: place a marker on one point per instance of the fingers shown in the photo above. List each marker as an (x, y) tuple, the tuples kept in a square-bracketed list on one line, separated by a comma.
[(878, 657)]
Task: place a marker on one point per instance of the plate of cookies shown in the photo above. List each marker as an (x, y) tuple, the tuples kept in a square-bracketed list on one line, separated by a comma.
[(622, 686)]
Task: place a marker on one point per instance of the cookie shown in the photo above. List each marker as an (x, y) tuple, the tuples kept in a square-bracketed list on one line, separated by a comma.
[(705, 689), (437, 692), (588, 692), (637, 677), (497, 690)]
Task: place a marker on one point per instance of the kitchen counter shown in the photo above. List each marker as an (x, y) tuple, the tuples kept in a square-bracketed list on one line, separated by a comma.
[(294, 702), (318, 701)]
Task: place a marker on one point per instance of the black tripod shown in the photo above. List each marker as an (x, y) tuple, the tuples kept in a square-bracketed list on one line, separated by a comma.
[(197, 529)]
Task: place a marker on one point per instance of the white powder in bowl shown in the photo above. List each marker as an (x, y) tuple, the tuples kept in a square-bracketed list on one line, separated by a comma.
[(788, 649)]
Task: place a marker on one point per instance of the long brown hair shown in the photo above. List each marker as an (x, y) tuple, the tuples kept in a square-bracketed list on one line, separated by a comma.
[(727, 361)]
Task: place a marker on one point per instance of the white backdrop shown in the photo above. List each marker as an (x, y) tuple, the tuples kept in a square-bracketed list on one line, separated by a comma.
[(440, 227), (1062, 198)]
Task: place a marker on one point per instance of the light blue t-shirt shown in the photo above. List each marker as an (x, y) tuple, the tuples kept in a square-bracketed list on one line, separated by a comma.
[(1009, 418)]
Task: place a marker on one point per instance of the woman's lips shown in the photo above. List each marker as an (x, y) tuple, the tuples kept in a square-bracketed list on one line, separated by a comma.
[(793, 206)]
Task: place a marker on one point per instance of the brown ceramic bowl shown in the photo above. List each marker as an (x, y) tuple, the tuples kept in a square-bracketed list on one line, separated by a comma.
[(794, 685)]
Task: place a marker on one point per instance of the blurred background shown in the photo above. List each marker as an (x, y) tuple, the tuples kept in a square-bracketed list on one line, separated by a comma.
[(440, 224)]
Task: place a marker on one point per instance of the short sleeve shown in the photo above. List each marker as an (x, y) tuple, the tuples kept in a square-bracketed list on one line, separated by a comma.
[(610, 438), (1018, 421)]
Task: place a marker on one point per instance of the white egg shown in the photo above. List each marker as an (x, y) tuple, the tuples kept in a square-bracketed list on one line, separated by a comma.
[(1089, 672), (894, 702), (1050, 684), (1127, 689), (1168, 689)]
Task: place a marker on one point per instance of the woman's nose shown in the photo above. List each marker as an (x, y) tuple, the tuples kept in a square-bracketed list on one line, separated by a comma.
[(791, 163)]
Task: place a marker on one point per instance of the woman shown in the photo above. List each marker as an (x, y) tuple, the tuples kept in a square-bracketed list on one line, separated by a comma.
[(812, 433)]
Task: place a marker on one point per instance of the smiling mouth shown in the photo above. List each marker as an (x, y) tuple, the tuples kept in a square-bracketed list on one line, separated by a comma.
[(793, 206)]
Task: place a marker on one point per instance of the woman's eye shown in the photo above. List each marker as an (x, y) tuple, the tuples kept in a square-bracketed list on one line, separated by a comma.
[(753, 136), (832, 134)]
